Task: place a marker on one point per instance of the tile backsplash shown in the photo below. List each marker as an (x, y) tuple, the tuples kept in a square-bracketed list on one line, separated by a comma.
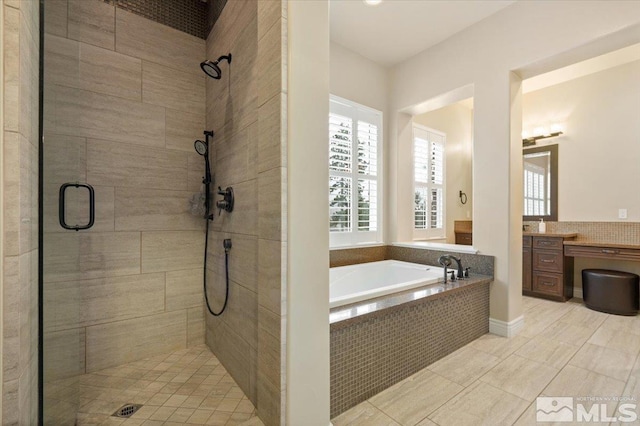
[(607, 232)]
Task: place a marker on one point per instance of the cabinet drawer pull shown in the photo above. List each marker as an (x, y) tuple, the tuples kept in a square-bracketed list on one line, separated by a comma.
[(607, 251), (545, 243), (548, 260), (547, 283)]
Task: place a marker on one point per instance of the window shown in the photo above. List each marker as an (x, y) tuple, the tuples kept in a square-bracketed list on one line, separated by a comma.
[(355, 137), (535, 190), (428, 183)]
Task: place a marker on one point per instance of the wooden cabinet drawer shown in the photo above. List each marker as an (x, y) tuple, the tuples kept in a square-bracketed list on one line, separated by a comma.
[(465, 238), (526, 241), (603, 252), (548, 260), (547, 243), (526, 268), (548, 283)]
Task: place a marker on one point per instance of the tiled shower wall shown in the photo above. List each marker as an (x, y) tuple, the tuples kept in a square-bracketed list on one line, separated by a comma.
[(19, 171), (246, 109), (124, 101)]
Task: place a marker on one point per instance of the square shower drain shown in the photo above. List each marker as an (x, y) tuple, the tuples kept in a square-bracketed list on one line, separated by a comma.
[(126, 410)]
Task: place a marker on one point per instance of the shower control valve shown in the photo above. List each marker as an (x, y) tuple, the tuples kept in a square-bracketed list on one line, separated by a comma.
[(227, 201)]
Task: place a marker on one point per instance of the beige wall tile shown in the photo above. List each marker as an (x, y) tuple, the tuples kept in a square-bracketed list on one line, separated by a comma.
[(269, 11), (144, 39), (77, 208), (55, 17), (269, 402), (195, 326), (243, 219), (272, 204), (272, 268), (11, 315), (88, 114), (235, 155), (232, 351), (122, 165), (93, 22), (184, 289), (172, 250), (242, 313), (109, 72), (151, 209), (243, 258), (272, 61), (65, 354), (269, 359), (272, 148), (270, 322), (11, 72), (28, 81), (170, 88), (183, 129), (97, 301), (83, 66), (11, 211), (125, 341), (10, 403), (66, 159), (80, 255)]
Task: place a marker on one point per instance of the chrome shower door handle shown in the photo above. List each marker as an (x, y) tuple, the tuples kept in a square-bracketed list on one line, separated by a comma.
[(61, 206)]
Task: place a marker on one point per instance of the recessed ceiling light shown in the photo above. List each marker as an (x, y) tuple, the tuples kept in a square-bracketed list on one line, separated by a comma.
[(372, 2)]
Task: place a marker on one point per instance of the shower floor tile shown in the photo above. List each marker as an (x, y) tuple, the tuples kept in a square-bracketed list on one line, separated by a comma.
[(186, 387)]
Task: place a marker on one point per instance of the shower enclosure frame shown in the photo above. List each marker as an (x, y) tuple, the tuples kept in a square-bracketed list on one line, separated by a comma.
[(41, 215)]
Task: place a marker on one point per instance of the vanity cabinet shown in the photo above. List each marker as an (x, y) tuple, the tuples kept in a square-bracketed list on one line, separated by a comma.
[(546, 271)]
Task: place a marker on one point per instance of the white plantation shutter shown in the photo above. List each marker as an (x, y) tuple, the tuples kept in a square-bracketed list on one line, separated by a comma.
[(428, 182), (354, 183)]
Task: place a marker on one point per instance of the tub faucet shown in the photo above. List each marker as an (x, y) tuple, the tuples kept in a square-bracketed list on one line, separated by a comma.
[(445, 261)]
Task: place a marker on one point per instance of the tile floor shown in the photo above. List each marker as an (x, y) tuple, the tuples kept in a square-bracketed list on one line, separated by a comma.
[(564, 349), (188, 386)]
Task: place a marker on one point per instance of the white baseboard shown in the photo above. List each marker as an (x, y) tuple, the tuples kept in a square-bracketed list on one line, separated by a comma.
[(506, 329), (577, 292)]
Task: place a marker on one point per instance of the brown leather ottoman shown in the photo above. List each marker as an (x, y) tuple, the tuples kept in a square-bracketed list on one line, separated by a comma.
[(613, 292)]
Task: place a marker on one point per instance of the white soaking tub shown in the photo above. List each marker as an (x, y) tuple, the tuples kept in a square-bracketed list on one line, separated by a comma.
[(354, 283)]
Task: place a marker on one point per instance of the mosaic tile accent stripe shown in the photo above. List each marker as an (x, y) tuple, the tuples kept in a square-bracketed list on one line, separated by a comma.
[(479, 263), (194, 17), (371, 355), (606, 232)]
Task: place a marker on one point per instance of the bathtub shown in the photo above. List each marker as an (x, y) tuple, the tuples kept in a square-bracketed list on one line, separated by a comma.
[(354, 283)]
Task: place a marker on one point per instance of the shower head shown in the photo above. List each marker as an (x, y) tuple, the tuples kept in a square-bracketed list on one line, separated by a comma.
[(201, 147), (212, 69)]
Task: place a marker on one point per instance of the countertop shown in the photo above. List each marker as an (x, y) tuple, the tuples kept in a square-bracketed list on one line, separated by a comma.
[(603, 244), (550, 234)]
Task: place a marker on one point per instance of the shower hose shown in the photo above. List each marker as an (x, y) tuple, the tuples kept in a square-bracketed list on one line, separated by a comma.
[(226, 270)]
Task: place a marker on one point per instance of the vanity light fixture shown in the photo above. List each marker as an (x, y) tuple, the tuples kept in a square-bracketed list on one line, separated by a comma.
[(372, 2), (540, 133)]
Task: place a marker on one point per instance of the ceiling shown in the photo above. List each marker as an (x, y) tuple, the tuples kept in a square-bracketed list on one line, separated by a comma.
[(396, 30)]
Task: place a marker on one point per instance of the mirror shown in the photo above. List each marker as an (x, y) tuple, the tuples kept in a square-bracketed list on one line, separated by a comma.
[(541, 183)]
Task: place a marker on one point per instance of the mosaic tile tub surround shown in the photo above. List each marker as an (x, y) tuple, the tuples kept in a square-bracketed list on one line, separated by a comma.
[(479, 264), (371, 352)]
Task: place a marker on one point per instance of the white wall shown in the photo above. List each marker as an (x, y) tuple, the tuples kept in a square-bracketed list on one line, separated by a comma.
[(599, 154), (456, 121), (520, 36), (307, 357)]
